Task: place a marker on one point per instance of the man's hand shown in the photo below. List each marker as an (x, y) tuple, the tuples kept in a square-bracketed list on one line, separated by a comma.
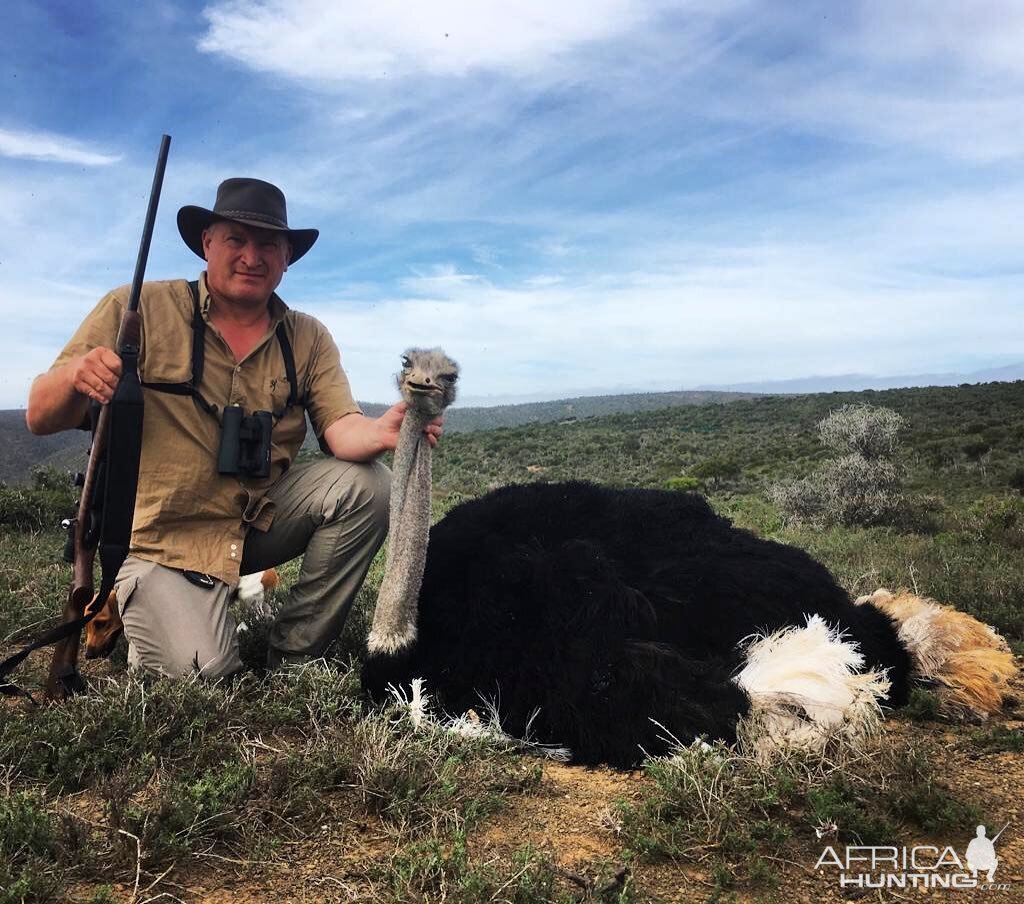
[(95, 374), (390, 422), (59, 399), (356, 437)]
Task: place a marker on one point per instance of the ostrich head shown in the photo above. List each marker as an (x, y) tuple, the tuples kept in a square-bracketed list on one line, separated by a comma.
[(427, 380)]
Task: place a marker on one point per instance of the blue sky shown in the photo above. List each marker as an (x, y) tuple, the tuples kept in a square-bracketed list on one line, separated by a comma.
[(604, 195)]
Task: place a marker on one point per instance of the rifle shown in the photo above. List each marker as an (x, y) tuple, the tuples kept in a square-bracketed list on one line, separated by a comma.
[(107, 504)]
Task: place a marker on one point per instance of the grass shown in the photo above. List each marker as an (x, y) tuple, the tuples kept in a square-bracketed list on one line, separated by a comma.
[(32, 839), (923, 706), (137, 778), (999, 739), (442, 868), (181, 768), (714, 804)]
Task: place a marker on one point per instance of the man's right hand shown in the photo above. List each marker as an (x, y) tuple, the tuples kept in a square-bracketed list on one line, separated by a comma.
[(95, 374)]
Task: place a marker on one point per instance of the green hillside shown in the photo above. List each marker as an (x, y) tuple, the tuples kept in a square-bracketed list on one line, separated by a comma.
[(66, 451), (959, 441)]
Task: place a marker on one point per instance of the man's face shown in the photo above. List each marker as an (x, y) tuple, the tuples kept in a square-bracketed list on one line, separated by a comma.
[(243, 264)]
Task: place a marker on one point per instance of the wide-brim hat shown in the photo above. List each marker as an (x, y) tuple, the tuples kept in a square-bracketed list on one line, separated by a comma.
[(251, 202)]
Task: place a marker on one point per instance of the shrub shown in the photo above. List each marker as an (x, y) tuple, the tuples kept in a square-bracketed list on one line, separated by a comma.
[(863, 486), (865, 430), (799, 501), (41, 505), (682, 484), (715, 470), (975, 449), (995, 519), (31, 840), (1016, 480), (859, 490)]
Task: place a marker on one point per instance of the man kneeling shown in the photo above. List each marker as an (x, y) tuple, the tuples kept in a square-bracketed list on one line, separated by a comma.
[(228, 368)]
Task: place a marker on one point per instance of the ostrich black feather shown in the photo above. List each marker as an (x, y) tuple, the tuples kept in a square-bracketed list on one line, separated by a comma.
[(605, 609)]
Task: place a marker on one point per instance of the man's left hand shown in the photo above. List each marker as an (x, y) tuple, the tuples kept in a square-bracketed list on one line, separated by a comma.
[(434, 429), (356, 437), (391, 422)]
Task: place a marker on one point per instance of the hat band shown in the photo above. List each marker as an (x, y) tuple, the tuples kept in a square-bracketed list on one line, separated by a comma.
[(251, 215)]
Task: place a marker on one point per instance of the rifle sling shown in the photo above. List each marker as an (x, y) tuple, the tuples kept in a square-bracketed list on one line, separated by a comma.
[(54, 635)]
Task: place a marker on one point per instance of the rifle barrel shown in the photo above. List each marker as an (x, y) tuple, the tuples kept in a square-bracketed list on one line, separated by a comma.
[(147, 231)]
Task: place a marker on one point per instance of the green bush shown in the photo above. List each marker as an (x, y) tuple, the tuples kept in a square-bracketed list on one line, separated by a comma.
[(1016, 480), (863, 485), (715, 470), (682, 484), (44, 504), (976, 449), (996, 519)]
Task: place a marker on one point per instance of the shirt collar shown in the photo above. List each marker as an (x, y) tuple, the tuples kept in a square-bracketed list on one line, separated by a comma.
[(276, 306)]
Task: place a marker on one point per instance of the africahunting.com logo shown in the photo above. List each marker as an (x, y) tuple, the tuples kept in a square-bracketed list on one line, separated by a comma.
[(920, 866)]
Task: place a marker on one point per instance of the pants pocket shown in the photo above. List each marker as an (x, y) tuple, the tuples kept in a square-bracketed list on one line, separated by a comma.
[(124, 590)]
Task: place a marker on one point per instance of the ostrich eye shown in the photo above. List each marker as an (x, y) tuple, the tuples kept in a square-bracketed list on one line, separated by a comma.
[(406, 363), (449, 378)]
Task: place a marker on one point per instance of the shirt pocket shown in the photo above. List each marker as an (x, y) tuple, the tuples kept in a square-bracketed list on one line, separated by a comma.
[(275, 392), (290, 427)]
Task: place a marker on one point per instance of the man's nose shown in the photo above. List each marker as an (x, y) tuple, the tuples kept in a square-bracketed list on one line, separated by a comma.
[(251, 254)]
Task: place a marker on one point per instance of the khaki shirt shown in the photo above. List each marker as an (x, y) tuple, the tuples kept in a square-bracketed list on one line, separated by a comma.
[(186, 514)]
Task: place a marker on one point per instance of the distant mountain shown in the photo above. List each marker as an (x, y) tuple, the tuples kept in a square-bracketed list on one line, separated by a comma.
[(21, 450), (857, 382)]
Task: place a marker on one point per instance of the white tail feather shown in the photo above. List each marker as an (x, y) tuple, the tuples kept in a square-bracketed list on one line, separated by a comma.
[(805, 686)]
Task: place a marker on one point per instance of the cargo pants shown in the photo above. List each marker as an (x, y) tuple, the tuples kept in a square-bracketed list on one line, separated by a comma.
[(336, 512)]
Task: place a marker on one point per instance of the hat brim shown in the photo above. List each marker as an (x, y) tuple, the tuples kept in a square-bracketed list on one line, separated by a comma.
[(193, 220)]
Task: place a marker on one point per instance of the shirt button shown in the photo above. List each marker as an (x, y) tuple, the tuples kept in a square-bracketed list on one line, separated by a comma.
[(234, 546), (232, 555)]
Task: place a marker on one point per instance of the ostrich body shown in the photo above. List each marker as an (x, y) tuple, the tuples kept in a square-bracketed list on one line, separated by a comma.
[(608, 620)]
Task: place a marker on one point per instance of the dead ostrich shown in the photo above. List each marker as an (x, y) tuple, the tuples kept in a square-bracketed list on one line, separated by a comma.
[(609, 621)]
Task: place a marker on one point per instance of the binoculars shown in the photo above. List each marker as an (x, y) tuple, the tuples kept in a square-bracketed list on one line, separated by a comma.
[(245, 442)]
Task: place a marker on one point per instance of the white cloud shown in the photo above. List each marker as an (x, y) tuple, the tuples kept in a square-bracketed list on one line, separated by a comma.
[(330, 40), (757, 312), (51, 147)]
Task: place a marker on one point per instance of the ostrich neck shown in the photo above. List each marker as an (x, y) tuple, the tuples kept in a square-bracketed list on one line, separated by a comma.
[(394, 619)]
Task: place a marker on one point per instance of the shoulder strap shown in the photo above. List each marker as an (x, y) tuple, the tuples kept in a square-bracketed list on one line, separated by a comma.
[(198, 336), (289, 368), (191, 387)]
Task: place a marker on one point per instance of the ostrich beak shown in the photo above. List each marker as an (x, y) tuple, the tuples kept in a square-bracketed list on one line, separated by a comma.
[(422, 387)]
